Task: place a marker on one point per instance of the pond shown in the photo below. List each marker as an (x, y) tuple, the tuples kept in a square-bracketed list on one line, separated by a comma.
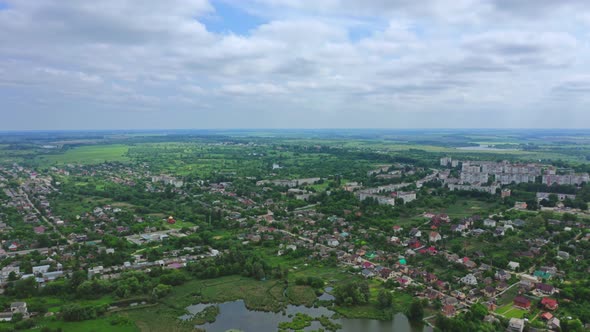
[(484, 147), (326, 296), (235, 315)]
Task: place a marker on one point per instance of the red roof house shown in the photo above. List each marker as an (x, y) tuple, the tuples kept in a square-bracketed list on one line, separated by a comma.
[(522, 302), (546, 316), (449, 310), (549, 304)]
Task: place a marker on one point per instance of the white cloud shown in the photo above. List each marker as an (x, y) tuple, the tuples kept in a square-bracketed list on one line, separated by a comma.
[(388, 58)]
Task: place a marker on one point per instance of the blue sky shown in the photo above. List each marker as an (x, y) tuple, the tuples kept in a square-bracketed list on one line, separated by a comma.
[(123, 64), (226, 18)]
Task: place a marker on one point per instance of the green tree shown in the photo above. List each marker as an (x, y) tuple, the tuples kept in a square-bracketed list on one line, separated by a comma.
[(384, 299), (160, 291), (416, 311)]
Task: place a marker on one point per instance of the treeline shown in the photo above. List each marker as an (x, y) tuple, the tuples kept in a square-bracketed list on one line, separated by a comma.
[(355, 292), (78, 286), (236, 262)]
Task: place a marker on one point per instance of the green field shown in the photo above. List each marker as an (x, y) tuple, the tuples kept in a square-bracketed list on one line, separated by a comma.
[(509, 311), (96, 325), (91, 154), (466, 208)]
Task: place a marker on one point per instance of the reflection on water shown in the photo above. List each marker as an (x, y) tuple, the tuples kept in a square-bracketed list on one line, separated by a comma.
[(326, 296), (484, 147), (235, 315)]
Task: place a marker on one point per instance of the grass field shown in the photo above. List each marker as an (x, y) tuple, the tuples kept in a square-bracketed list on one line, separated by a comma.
[(97, 325), (92, 154), (509, 311), (466, 208)]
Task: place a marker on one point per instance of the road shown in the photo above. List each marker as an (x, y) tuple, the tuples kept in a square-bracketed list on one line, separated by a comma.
[(55, 229)]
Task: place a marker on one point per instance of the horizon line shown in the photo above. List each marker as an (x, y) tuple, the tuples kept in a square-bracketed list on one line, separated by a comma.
[(2, 131)]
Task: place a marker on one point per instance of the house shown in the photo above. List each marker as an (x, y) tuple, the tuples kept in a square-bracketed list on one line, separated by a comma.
[(554, 323), (414, 244), (450, 301), (404, 281), (40, 269), (95, 271), (542, 274), (513, 265), (522, 302), (489, 223), (549, 304), (432, 295), (367, 265), (449, 310), (477, 232), (458, 294), (468, 263), (452, 257), (434, 237), (519, 223), (515, 325), (386, 273), (333, 243), (469, 279), (430, 278), (546, 316), (489, 291), (545, 288), (20, 308), (563, 254), (367, 273), (50, 276), (39, 230), (5, 316)]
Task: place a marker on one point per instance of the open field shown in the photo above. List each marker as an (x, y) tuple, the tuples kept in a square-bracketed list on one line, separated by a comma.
[(92, 154), (466, 208), (96, 325)]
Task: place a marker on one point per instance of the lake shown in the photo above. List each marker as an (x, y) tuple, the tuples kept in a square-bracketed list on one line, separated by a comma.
[(235, 315)]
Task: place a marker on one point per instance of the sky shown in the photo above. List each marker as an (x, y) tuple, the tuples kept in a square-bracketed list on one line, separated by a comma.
[(152, 64)]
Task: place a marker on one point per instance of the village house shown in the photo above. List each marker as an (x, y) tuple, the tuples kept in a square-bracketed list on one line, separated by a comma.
[(489, 223), (515, 325), (489, 291), (469, 279), (513, 265), (449, 310), (434, 237), (545, 288), (549, 303), (522, 302)]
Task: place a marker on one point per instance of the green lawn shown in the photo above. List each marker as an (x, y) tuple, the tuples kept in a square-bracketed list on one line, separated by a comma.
[(509, 311), (92, 154)]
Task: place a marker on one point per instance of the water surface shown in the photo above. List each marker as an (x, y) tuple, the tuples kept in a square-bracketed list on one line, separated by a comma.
[(235, 315)]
